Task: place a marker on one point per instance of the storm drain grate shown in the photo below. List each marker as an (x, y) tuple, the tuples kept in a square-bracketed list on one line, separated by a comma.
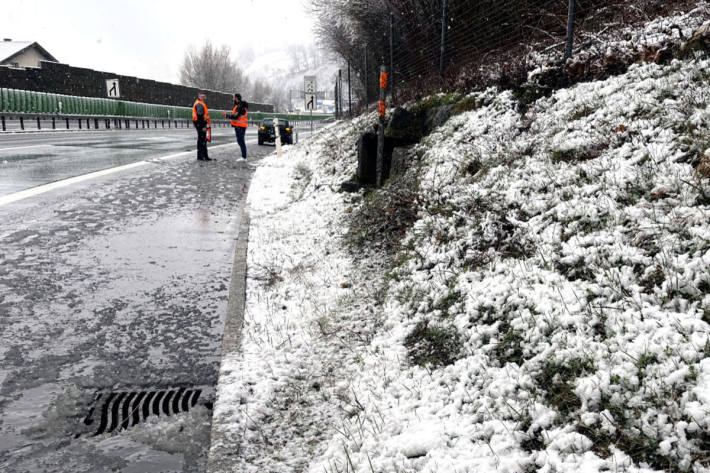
[(119, 410)]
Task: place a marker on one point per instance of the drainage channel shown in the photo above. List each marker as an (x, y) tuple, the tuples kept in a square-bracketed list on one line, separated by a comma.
[(113, 411)]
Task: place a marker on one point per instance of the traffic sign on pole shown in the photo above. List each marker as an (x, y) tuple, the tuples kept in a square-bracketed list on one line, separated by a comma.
[(309, 84), (309, 89), (311, 102), (112, 89)]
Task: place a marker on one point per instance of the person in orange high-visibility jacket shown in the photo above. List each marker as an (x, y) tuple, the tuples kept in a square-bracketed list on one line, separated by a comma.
[(201, 120), (240, 121)]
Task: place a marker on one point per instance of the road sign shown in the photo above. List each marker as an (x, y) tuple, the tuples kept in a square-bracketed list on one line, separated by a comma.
[(309, 84), (309, 89), (112, 89), (311, 103)]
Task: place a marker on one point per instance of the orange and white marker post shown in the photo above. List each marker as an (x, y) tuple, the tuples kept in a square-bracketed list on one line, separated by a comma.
[(382, 109)]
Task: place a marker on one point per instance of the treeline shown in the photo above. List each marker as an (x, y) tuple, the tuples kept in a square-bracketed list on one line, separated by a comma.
[(217, 68), (214, 68), (478, 34)]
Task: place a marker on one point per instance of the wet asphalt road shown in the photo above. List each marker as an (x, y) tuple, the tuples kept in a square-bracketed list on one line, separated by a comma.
[(117, 284), (31, 159)]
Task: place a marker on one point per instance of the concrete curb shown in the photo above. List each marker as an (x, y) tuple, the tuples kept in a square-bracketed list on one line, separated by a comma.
[(219, 458), (231, 340)]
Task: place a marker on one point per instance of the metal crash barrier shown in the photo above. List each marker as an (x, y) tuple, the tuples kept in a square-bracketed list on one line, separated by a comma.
[(25, 110)]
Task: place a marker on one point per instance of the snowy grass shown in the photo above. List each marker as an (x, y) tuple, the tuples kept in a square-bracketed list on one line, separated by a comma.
[(532, 295)]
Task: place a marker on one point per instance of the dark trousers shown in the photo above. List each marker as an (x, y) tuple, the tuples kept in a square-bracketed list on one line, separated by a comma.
[(241, 131), (201, 142)]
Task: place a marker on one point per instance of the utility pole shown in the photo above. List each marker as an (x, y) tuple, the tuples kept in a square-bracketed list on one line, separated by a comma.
[(444, 14)]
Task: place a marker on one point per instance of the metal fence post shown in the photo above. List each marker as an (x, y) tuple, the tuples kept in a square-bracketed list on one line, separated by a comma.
[(444, 14), (367, 83), (340, 92), (391, 79), (570, 29), (381, 109)]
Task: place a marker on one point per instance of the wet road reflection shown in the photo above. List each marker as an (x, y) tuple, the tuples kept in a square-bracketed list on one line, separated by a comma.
[(118, 285), (32, 159)]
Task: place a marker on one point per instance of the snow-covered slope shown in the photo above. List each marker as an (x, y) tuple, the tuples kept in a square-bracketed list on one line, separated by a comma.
[(547, 307)]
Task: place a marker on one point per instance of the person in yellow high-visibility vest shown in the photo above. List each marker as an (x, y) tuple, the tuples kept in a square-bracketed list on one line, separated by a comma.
[(201, 120), (240, 121)]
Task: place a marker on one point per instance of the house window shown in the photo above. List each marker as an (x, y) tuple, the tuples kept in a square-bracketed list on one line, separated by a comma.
[(15, 64)]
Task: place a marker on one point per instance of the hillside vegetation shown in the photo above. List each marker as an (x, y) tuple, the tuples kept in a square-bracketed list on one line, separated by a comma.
[(530, 293), (552, 293)]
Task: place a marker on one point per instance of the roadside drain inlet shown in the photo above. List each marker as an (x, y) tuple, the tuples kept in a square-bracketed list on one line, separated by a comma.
[(119, 410)]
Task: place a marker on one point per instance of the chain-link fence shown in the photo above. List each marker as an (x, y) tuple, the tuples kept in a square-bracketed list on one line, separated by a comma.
[(441, 45)]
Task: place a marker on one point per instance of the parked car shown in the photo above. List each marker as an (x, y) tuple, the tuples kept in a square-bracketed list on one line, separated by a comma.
[(266, 131)]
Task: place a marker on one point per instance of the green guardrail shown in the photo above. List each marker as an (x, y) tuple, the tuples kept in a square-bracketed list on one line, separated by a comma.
[(288, 116), (26, 101)]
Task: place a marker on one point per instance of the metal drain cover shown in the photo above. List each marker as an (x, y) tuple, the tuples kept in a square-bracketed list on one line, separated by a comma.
[(119, 410)]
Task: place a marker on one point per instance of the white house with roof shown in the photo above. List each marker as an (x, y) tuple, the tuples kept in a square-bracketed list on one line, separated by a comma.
[(23, 54)]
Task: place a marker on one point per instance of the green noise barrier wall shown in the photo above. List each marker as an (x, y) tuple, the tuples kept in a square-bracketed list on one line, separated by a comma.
[(44, 103)]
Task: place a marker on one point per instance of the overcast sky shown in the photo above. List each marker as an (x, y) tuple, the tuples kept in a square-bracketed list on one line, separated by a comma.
[(148, 38)]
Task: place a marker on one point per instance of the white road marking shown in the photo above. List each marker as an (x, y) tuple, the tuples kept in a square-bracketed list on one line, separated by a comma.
[(8, 199), (23, 147)]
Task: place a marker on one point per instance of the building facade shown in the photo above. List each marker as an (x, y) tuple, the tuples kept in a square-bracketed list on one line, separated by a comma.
[(23, 54)]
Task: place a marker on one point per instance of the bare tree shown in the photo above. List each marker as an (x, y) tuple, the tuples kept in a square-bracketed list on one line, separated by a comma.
[(260, 91), (212, 68)]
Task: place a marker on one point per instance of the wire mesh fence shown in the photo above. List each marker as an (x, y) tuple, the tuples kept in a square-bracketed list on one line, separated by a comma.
[(441, 45)]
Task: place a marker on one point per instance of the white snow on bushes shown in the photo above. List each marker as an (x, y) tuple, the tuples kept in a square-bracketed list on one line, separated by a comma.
[(624, 43), (569, 249)]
